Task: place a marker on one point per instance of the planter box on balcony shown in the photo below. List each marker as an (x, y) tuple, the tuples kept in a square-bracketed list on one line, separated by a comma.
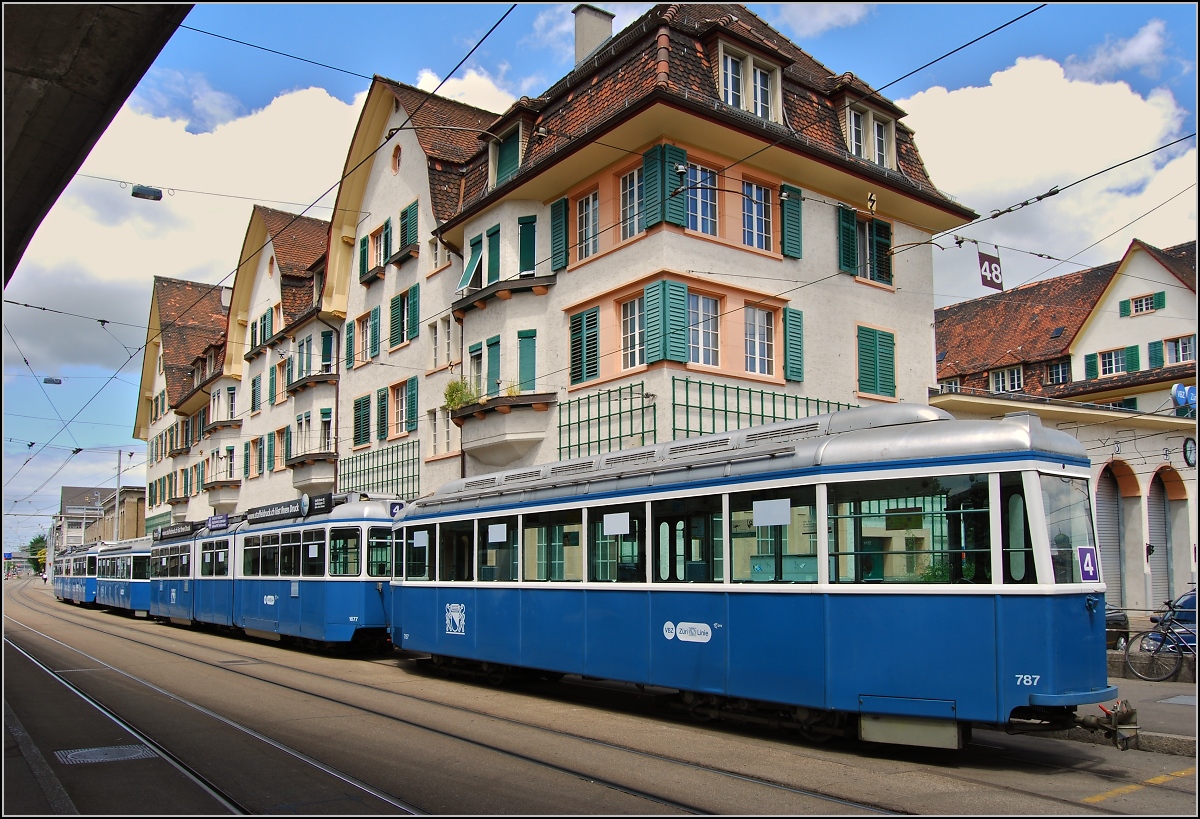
[(505, 427)]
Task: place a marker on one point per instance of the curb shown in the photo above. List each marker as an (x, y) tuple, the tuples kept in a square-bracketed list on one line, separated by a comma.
[(1144, 741)]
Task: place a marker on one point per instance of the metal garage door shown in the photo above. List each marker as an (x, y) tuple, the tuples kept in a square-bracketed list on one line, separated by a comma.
[(1156, 512), (1108, 532)]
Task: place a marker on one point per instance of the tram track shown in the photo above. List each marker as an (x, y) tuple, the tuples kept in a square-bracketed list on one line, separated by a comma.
[(242, 664)]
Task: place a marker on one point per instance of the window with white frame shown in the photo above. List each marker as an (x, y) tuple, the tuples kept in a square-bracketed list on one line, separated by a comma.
[(1006, 380), (1178, 350), (1142, 304), (880, 143), (632, 219), (589, 225), (380, 246), (476, 353), (398, 409), (1112, 362), (870, 136), (949, 385), (703, 330), (760, 341), (326, 434), (1058, 372), (854, 126), (702, 199), (750, 83), (362, 340), (756, 216), (633, 333)]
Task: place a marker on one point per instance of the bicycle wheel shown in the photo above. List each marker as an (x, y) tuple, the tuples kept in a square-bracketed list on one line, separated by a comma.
[(1154, 655)]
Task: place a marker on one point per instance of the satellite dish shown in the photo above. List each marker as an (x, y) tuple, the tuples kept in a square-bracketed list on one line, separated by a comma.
[(1179, 395)]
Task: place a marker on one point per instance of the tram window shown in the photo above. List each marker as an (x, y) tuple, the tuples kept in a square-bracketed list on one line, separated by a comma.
[(173, 562), (289, 554), (773, 535), (206, 558), (911, 530), (418, 559), (688, 545), (312, 550), (91, 564), (553, 549), (250, 556), (379, 552), (269, 560), (456, 550), (214, 559), (1069, 524), (141, 567), (345, 552), (1014, 531), (498, 548), (617, 543)]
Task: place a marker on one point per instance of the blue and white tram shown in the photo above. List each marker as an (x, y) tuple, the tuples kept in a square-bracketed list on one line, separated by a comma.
[(75, 574), (123, 576), (888, 572), (283, 571)]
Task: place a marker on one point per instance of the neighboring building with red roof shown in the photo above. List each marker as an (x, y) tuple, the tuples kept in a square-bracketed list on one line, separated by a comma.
[(1099, 353)]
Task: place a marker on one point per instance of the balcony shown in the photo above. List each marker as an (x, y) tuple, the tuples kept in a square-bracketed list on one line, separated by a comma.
[(179, 450), (501, 429), (368, 276), (503, 290), (314, 466), (222, 423), (311, 380), (405, 253), (222, 494)]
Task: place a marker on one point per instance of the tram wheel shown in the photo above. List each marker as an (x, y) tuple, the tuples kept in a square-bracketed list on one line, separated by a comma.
[(495, 674)]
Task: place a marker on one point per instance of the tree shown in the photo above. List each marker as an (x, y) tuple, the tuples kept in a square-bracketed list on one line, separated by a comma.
[(37, 553)]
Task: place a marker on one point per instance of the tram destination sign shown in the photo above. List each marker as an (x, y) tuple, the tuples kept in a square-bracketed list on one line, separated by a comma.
[(176, 529), (301, 507)]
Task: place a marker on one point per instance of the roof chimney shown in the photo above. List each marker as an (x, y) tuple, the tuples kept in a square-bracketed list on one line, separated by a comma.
[(593, 27)]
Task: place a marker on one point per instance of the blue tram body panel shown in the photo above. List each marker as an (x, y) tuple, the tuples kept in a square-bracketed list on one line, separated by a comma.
[(214, 601), (553, 632), (777, 647), (618, 635), (689, 640), (498, 625)]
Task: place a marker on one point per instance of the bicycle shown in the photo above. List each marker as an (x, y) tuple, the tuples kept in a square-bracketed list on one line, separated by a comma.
[(1157, 654)]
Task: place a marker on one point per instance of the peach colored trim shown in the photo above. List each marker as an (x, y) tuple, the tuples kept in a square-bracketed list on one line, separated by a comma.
[(1127, 479), (443, 456)]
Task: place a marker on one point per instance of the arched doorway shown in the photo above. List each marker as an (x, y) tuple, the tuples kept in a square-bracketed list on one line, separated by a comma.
[(1108, 534)]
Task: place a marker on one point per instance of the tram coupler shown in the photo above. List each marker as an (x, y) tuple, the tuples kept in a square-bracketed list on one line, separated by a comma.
[(1119, 723)]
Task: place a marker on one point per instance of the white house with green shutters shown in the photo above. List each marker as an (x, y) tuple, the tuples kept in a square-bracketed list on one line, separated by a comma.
[(725, 235)]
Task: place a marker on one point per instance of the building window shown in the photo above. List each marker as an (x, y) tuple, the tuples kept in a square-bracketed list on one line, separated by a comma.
[(760, 341), (589, 225), (1179, 350), (380, 241), (1058, 372), (632, 220), (731, 80), (863, 124), (749, 83), (1142, 304), (703, 335), (476, 365), (857, 144), (633, 333), (880, 143), (756, 216), (326, 433), (1008, 380), (949, 385), (1112, 362), (702, 200), (398, 411), (362, 332)]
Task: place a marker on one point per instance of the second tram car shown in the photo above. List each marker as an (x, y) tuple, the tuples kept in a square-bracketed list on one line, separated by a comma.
[(886, 572), (123, 576), (75, 574)]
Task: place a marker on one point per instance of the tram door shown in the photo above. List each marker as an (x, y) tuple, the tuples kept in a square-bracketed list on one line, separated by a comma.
[(687, 540), (1108, 533), (1156, 513)]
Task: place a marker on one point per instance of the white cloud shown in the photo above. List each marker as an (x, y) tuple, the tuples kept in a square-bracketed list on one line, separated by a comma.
[(554, 28), (1031, 129), (175, 95), (814, 19), (1144, 51), (477, 88)]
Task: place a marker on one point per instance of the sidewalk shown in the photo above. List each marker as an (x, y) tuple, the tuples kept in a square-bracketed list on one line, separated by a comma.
[(1166, 715)]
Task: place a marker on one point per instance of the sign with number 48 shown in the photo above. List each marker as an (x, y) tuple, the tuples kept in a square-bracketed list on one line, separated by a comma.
[(989, 271)]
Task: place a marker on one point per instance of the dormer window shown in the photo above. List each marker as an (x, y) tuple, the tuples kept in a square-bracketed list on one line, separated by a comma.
[(870, 136), (750, 83), (506, 157)]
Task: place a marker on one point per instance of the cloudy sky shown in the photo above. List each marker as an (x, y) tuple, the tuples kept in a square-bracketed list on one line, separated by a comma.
[(256, 104)]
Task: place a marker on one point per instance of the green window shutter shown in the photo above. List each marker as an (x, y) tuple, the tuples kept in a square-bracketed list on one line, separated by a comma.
[(1154, 352), (559, 255), (585, 345), (527, 230), (791, 223), (666, 321), (793, 344), (1125, 308), (410, 405), (381, 413), (349, 333), (847, 241), (289, 371), (526, 359), (1132, 359), (396, 320), (270, 451), (255, 394), (659, 181), (327, 350), (508, 157), (493, 365), (408, 226), (246, 460), (1129, 403), (287, 444), (362, 420), (887, 364), (326, 412), (363, 246), (472, 266), (266, 323), (868, 370), (881, 245), (202, 473), (493, 254), (1091, 366), (374, 347), (271, 386), (414, 311), (386, 238), (652, 186), (1160, 299)]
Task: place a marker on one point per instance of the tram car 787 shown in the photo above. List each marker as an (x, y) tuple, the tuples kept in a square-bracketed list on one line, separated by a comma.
[(889, 573), (311, 571)]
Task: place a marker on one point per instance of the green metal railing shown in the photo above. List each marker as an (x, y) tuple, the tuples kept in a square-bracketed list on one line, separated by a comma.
[(394, 470), (605, 421), (703, 407)]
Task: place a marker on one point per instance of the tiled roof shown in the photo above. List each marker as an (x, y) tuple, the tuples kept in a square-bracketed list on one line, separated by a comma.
[(1017, 325), (431, 114), (1180, 260), (1168, 374), (191, 317), (298, 240)]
